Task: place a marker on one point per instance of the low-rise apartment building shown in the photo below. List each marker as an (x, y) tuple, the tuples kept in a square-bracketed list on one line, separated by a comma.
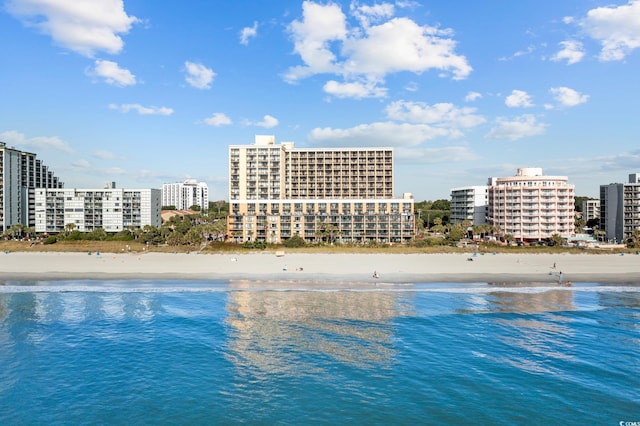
[(470, 203), (111, 209), (590, 209)]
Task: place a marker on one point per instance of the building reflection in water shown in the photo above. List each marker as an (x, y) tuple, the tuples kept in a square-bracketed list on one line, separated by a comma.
[(542, 335), (530, 302), (286, 331)]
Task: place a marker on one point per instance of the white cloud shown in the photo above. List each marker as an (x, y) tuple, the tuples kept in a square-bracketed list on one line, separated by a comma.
[(411, 87), (448, 154), (518, 98), (81, 164), (218, 119), (568, 97), (367, 14), (572, 51), (198, 75), (442, 114), (40, 143), (472, 96), (112, 73), (311, 36), (528, 51), (247, 33), (142, 110), (377, 134), (369, 52), (267, 122), (104, 155), (617, 28), (402, 45), (82, 26), (357, 90), (518, 128)]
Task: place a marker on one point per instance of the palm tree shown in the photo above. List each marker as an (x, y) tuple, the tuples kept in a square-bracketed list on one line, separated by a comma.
[(69, 227)]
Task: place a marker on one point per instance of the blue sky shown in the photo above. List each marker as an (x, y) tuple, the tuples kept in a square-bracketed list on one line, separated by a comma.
[(146, 92)]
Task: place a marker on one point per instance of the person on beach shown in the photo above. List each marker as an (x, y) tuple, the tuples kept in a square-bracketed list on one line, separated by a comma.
[(375, 274)]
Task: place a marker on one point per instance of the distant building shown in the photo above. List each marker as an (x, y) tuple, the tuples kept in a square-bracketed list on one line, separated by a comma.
[(470, 203), (620, 209), (344, 194), (111, 209), (20, 173), (186, 194), (531, 206), (590, 209)]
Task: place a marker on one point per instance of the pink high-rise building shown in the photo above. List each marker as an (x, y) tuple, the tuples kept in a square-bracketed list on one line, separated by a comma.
[(531, 206)]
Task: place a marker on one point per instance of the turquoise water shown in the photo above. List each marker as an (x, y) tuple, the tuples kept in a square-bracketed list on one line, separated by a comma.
[(181, 352)]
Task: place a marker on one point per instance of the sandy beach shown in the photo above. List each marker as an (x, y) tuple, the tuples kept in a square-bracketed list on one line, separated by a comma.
[(265, 267)]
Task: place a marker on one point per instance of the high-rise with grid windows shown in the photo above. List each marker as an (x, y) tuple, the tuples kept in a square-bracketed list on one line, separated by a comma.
[(20, 174), (531, 206), (277, 191)]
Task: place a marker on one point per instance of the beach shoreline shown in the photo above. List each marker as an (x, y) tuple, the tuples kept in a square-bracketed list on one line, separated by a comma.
[(307, 267)]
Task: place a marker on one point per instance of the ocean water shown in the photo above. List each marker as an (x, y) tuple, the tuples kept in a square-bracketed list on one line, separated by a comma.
[(189, 353)]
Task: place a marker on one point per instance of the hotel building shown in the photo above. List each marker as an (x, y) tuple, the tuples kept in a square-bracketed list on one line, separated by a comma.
[(112, 209), (184, 195), (20, 173), (343, 194), (469, 203), (531, 206), (620, 209)]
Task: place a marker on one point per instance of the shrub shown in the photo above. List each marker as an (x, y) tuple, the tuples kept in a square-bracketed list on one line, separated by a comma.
[(260, 245), (52, 239), (295, 241)]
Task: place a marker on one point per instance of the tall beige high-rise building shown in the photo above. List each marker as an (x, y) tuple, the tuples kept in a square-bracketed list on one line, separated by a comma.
[(531, 206), (277, 191)]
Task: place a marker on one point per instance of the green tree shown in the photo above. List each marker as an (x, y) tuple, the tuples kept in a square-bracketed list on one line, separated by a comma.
[(69, 227), (438, 227), (456, 233), (578, 202), (327, 231), (16, 231), (634, 241), (556, 240), (441, 205)]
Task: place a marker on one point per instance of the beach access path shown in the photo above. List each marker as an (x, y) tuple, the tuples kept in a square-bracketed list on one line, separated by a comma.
[(339, 267)]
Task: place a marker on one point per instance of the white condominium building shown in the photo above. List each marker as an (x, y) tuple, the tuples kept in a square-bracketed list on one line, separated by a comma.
[(278, 191), (620, 209), (531, 206), (590, 209), (469, 203), (112, 209), (184, 195), (20, 173)]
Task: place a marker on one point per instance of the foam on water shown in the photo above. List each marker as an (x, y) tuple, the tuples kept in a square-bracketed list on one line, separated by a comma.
[(284, 287)]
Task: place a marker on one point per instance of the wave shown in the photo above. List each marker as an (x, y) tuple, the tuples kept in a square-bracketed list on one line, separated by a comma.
[(381, 287)]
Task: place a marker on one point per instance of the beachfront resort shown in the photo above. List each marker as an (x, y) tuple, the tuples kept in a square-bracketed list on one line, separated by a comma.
[(277, 191)]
